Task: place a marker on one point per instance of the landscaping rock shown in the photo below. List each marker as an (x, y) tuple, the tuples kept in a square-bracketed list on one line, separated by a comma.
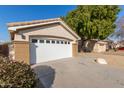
[(100, 61)]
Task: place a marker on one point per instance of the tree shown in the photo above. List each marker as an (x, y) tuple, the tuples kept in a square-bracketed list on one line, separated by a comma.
[(92, 22)]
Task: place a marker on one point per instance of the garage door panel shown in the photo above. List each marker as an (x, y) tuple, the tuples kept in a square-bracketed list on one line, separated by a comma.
[(50, 51)]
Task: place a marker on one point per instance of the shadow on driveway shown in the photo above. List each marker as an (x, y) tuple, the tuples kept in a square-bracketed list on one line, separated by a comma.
[(46, 76)]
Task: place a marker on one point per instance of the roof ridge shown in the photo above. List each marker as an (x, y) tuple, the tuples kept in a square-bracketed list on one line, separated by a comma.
[(31, 22)]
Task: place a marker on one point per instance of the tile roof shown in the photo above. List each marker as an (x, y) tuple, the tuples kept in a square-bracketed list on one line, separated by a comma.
[(32, 22)]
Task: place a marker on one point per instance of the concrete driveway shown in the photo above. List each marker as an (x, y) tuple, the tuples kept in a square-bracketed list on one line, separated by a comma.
[(78, 72)]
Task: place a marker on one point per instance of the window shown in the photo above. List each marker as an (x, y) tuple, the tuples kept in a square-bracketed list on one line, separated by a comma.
[(53, 42), (57, 42), (47, 41), (65, 42), (41, 41), (68, 42), (34, 41), (61, 42), (23, 36)]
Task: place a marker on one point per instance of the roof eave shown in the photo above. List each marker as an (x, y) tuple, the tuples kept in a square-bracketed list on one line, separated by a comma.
[(57, 20)]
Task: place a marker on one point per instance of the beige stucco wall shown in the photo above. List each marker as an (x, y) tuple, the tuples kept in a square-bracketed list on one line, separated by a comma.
[(100, 47), (74, 49), (50, 30), (21, 49)]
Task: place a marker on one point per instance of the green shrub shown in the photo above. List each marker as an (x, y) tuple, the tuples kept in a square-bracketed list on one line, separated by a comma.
[(16, 74)]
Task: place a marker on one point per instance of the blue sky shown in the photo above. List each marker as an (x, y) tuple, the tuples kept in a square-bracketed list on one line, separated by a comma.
[(27, 13)]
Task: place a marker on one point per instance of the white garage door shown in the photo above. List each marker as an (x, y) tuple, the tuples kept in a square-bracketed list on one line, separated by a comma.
[(43, 50)]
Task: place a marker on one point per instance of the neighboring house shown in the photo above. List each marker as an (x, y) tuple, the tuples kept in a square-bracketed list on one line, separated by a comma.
[(95, 45), (121, 43), (42, 40), (100, 46)]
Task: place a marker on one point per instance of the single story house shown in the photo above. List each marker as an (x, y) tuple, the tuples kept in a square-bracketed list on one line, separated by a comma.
[(95, 45), (42, 40), (100, 46)]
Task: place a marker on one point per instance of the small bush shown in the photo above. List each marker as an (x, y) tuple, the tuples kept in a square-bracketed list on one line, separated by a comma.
[(16, 74)]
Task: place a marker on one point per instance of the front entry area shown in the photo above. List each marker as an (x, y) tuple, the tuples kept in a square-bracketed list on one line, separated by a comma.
[(43, 49)]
